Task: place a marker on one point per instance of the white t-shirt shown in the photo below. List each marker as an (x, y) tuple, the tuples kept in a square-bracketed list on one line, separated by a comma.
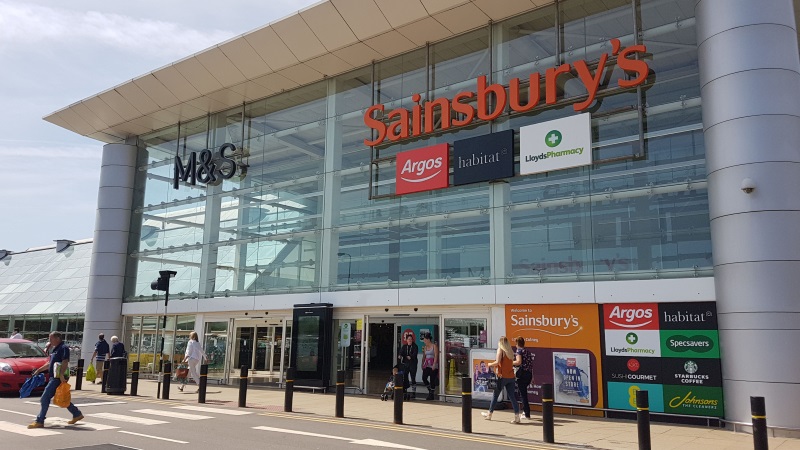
[(16, 336)]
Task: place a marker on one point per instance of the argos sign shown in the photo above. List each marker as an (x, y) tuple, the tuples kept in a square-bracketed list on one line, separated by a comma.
[(640, 316), (423, 169), (491, 100)]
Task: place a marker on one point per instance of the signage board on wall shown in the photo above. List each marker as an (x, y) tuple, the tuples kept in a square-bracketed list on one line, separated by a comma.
[(565, 341), (483, 158), (556, 144), (422, 169), (669, 349)]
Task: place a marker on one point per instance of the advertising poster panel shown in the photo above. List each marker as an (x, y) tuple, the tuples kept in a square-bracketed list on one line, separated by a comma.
[(669, 349), (565, 341), (482, 375)]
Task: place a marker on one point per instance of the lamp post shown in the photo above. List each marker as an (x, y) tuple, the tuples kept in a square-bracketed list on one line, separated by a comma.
[(162, 284), (349, 265)]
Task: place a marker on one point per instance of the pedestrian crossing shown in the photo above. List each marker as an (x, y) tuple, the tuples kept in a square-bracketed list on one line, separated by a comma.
[(104, 421)]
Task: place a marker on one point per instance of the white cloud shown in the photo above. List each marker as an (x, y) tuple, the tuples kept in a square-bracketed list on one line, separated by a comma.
[(26, 24)]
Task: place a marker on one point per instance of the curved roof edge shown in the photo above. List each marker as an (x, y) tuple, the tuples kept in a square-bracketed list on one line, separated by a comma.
[(326, 39)]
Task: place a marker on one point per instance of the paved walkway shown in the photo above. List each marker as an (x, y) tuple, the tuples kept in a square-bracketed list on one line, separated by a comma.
[(571, 431)]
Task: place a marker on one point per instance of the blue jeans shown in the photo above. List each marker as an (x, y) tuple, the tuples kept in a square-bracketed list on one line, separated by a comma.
[(508, 384), (47, 395)]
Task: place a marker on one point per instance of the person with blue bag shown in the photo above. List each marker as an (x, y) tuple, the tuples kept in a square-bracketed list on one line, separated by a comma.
[(59, 373)]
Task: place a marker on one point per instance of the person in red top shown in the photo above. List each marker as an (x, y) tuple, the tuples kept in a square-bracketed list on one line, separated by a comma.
[(504, 368)]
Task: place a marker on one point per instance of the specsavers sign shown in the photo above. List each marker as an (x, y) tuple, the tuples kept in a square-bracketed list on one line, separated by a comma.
[(555, 145)]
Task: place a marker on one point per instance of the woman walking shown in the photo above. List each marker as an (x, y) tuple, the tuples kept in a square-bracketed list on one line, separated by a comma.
[(504, 363), (430, 364), (194, 354), (523, 360)]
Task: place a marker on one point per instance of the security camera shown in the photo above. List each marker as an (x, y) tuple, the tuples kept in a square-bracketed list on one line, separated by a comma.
[(748, 185)]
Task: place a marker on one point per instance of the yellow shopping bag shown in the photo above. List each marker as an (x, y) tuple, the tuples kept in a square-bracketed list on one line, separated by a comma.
[(91, 374), (63, 396)]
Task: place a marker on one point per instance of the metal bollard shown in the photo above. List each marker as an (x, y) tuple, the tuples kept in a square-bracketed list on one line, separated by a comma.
[(243, 387), (289, 393), (106, 363), (398, 398), (201, 397), (79, 375), (340, 393), (135, 379), (758, 409), (643, 419), (167, 380), (466, 404), (548, 429)]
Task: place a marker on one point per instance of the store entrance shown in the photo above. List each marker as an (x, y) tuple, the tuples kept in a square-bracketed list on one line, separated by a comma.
[(381, 355), (260, 348)]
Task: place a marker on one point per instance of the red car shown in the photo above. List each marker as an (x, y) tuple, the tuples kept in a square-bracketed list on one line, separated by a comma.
[(18, 358)]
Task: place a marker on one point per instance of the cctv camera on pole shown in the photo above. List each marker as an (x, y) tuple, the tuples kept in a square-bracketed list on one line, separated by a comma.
[(162, 284)]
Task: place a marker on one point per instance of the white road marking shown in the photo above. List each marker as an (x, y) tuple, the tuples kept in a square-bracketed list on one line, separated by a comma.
[(370, 442), (23, 429), (62, 423), (154, 437), (129, 419), (17, 412), (175, 414), (86, 404), (230, 412)]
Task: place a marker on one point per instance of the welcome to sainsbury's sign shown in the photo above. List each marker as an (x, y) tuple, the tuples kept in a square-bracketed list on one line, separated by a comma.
[(403, 123)]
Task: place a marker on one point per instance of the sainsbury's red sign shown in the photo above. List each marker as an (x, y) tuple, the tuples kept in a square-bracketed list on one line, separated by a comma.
[(423, 169), (489, 101)]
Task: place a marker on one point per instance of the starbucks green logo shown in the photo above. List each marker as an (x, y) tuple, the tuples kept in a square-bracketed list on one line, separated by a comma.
[(553, 138), (690, 367), (699, 344), (632, 338)]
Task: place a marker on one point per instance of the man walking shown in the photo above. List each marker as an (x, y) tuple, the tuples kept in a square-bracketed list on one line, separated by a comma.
[(101, 351), (16, 334), (59, 373)]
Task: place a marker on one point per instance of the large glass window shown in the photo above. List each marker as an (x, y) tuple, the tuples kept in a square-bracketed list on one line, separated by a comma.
[(460, 336), (640, 210)]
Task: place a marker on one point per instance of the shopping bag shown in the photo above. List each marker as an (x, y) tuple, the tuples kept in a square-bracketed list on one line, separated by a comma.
[(91, 374), (63, 396), (30, 384)]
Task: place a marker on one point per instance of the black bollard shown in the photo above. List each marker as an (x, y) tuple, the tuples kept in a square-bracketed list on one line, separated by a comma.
[(340, 393), (201, 397), (135, 379), (79, 375), (289, 393), (243, 387), (466, 404), (548, 429), (103, 383), (398, 398), (758, 409), (643, 419), (167, 380)]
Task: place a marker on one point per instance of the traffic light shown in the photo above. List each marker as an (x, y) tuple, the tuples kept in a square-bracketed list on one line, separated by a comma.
[(162, 282)]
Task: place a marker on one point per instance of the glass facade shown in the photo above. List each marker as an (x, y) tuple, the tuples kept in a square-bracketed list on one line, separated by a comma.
[(315, 211)]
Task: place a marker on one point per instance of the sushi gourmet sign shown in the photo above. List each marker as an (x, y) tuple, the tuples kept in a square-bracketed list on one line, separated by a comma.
[(401, 123)]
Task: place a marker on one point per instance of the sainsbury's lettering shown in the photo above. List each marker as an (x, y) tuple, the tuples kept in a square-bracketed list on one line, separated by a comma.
[(400, 123)]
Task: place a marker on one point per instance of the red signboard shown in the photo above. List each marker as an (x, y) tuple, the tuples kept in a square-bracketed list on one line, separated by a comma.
[(423, 169), (633, 316)]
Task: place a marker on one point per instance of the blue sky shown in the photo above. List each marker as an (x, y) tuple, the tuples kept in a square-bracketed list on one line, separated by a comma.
[(54, 53)]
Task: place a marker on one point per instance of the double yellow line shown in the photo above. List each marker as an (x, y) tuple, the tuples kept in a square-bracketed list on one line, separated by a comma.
[(406, 429)]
